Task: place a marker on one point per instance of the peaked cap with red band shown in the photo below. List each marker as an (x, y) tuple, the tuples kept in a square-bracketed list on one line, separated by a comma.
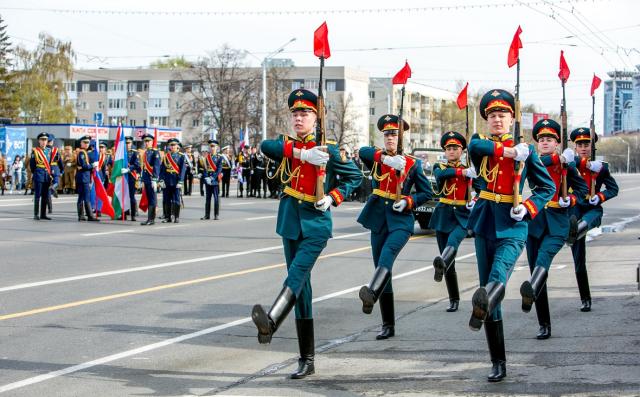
[(303, 100), (546, 127), (497, 101), (390, 122), (453, 138)]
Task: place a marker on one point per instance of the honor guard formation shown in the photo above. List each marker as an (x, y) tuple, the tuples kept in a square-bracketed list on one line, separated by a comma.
[(493, 187)]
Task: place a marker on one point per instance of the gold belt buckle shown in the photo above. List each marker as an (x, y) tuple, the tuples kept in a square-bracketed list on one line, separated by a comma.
[(497, 198)]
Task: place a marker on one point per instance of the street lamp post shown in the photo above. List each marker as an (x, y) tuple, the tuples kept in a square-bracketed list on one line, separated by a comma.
[(628, 151), (264, 85)]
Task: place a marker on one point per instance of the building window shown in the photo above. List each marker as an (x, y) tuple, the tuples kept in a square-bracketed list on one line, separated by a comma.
[(372, 94), (86, 87), (178, 87), (195, 123), (195, 87), (116, 86), (85, 106), (131, 87), (157, 103), (144, 104), (206, 121), (70, 86), (83, 121), (178, 123), (295, 85), (311, 84), (372, 111), (132, 122), (331, 85), (145, 87), (178, 105), (100, 105), (117, 104), (132, 105), (102, 87)]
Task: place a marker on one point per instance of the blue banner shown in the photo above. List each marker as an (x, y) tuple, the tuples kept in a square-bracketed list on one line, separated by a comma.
[(13, 142)]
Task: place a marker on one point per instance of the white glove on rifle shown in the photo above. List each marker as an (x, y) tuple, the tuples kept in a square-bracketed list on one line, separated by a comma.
[(522, 151), (518, 213), (161, 184), (324, 204), (208, 180), (397, 162), (400, 205), (95, 164), (124, 170), (595, 166), (315, 155), (470, 172), (594, 200), (564, 202), (154, 185), (180, 185), (470, 204), (568, 156)]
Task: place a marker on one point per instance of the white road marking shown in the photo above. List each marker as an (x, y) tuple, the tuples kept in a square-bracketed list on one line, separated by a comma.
[(559, 267), (243, 203), (9, 219), (260, 217), (107, 233), (152, 267), (30, 202), (630, 189), (172, 341)]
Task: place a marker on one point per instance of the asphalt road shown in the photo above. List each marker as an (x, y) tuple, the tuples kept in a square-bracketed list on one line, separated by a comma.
[(117, 309)]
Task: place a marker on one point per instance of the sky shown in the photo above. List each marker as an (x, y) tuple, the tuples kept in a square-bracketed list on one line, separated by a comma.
[(445, 42)]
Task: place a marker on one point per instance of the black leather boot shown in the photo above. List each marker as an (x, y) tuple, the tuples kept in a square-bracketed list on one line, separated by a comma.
[(90, 217), (43, 210), (166, 210), (484, 300), (577, 232), (151, 217), (585, 292), (306, 343), (36, 209), (176, 213), (442, 262), (268, 324), (80, 210), (369, 295), (451, 280), (388, 316), (543, 313), (133, 214), (207, 211), (216, 210), (530, 289), (495, 339)]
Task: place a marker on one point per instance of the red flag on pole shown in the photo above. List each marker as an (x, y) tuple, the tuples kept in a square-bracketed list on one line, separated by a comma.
[(321, 42), (595, 83), (462, 97), (155, 138), (564, 68), (514, 50), (144, 201), (403, 75)]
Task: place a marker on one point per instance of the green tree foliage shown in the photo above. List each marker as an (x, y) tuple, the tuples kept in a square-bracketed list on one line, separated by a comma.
[(8, 98), (40, 76), (171, 63)]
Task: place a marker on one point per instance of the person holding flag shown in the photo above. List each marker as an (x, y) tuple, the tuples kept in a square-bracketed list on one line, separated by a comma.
[(83, 180), (56, 171), (133, 170), (211, 173), (172, 172), (42, 175), (499, 218), (150, 175), (121, 199)]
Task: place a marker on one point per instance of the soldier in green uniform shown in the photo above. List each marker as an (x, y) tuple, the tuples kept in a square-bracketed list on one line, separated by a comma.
[(500, 228), (303, 222), (548, 231), (451, 214), (390, 218), (588, 215)]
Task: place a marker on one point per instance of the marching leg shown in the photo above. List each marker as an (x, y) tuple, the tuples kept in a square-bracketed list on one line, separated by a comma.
[(268, 323), (369, 294), (530, 289), (388, 316), (306, 343), (484, 300), (451, 280), (495, 339), (543, 313)]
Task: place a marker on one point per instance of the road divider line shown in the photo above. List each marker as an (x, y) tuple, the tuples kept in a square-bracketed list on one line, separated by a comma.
[(107, 233), (260, 217), (243, 203), (179, 339)]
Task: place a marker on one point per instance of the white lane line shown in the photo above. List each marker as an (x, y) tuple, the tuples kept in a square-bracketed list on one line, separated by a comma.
[(9, 219), (167, 227), (630, 189), (30, 203), (172, 341), (243, 203), (260, 217), (107, 233), (152, 267)]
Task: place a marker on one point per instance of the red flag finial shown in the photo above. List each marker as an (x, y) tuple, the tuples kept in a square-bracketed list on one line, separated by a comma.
[(403, 75), (462, 97), (321, 42), (514, 49), (595, 83), (564, 72)]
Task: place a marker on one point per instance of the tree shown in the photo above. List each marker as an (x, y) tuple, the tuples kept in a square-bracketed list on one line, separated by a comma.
[(8, 99), (344, 120), (40, 78), (171, 63), (278, 90)]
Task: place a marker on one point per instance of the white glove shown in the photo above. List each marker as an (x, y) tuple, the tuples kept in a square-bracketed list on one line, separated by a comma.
[(595, 166), (395, 162), (324, 204), (564, 202), (518, 213), (208, 180), (470, 204), (124, 170), (522, 151), (568, 156), (69, 164), (251, 173), (369, 177), (199, 176), (161, 184), (154, 185), (95, 164), (315, 155), (594, 200), (400, 205), (470, 172), (4, 175), (180, 185)]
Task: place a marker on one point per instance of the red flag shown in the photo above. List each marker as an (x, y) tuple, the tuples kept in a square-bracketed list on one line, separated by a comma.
[(514, 50), (564, 68), (403, 75), (321, 42), (101, 194), (595, 83), (144, 201), (155, 138), (462, 97), (118, 132)]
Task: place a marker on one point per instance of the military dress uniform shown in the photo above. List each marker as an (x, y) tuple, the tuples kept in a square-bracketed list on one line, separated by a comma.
[(56, 171), (390, 224), (188, 177), (42, 175), (69, 173), (449, 218), (105, 162), (150, 175), (133, 162), (304, 227), (245, 167), (211, 176), (588, 214), (172, 171), (499, 238), (83, 182), (549, 230), (226, 174)]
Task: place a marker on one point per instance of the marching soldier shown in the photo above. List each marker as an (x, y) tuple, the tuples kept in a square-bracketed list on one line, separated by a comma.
[(190, 161), (500, 229), (133, 170), (303, 222), (105, 162), (272, 181), (245, 166), (548, 231), (388, 217), (226, 171), (172, 173), (588, 215), (41, 169), (83, 180), (56, 171), (69, 174), (257, 171), (211, 175), (449, 218), (150, 174)]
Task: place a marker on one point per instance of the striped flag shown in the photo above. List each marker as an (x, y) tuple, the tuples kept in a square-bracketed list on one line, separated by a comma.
[(120, 200)]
